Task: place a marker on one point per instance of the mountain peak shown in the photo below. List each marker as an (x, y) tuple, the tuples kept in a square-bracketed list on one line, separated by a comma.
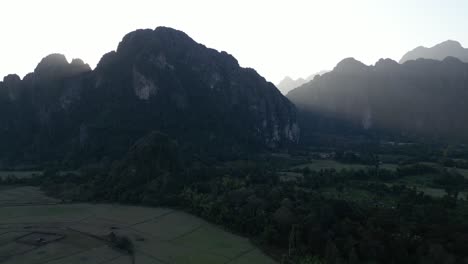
[(453, 60), (288, 84), (350, 65), (448, 48), (386, 61), (449, 44), (171, 31), (141, 38), (78, 62), (51, 61), (287, 79), (56, 66), (11, 78), (386, 64)]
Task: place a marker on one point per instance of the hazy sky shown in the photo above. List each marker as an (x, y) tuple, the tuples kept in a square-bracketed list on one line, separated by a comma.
[(277, 38)]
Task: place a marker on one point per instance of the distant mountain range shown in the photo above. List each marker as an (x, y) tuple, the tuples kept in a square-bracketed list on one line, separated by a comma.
[(425, 97), (156, 80), (439, 52), (288, 84)]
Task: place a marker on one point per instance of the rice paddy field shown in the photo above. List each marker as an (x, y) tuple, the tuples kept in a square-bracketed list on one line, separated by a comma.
[(19, 174), (37, 229), (332, 164)]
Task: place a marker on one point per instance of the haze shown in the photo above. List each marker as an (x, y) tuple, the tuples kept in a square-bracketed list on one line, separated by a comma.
[(293, 38)]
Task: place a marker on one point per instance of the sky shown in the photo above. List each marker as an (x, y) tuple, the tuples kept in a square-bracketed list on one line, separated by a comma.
[(277, 38)]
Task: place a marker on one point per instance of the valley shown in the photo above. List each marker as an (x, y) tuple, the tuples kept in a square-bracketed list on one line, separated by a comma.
[(278, 200), (166, 151)]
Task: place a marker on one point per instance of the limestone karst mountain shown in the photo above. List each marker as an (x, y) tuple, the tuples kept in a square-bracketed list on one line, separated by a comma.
[(156, 80)]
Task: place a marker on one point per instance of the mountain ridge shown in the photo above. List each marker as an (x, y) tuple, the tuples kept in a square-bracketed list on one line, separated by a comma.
[(423, 97), (288, 83), (448, 48)]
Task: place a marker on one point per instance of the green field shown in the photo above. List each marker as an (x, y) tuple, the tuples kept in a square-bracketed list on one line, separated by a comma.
[(420, 182), (332, 164), (159, 235), (19, 174)]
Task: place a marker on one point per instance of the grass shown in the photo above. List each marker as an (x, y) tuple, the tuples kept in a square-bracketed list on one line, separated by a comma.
[(160, 235)]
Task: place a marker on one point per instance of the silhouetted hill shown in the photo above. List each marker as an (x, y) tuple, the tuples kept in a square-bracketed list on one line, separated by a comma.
[(288, 84), (156, 80), (440, 51), (425, 97)]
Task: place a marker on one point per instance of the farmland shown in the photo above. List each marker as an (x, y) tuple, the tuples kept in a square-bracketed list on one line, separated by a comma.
[(37, 229), (287, 204), (332, 164), (19, 174), (422, 182)]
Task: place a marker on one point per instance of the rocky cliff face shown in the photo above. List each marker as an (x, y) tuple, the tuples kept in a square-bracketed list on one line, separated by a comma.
[(156, 80), (425, 97)]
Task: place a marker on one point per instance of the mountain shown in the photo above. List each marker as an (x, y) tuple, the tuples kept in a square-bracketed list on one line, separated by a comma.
[(439, 52), (156, 80), (422, 97), (288, 84)]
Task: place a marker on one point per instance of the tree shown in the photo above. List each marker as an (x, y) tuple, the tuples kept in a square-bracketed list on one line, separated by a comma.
[(452, 182)]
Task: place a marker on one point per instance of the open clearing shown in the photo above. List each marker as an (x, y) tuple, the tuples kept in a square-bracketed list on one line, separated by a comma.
[(35, 229)]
